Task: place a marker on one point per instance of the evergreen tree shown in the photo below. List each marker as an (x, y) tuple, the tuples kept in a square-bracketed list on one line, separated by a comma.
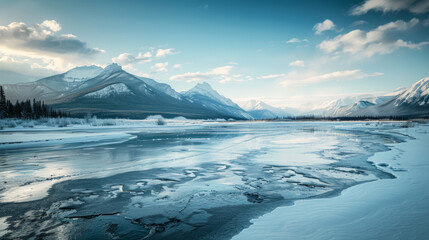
[(3, 107), (18, 110), (26, 109), (10, 109)]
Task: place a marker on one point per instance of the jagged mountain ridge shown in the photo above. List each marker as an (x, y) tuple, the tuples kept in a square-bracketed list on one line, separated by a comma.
[(114, 92), (206, 96), (260, 110), (412, 102), (110, 91)]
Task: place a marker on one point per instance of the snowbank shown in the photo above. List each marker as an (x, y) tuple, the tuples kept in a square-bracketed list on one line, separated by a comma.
[(66, 123)]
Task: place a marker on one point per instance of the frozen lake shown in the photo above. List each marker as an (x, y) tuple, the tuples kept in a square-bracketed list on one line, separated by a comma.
[(213, 181)]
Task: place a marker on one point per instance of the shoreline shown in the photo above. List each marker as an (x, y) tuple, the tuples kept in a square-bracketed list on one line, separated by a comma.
[(381, 209)]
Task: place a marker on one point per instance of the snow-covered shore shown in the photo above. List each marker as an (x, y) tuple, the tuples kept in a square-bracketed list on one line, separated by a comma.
[(385, 209), (24, 133), (93, 122)]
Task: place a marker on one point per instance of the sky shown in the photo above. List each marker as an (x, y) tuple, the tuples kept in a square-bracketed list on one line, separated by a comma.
[(285, 53)]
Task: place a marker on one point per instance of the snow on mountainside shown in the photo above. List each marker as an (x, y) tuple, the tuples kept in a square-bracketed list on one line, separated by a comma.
[(113, 92), (347, 106), (80, 74), (417, 94), (163, 87), (254, 105), (112, 68), (205, 95), (206, 90), (261, 110), (329, 108), (350, 109), (114, 89), (411, 102)]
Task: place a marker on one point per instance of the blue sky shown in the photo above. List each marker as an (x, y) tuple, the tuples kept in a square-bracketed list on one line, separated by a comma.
[(286, 53)]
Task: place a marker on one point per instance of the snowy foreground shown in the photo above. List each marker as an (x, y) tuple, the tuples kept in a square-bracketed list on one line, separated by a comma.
[(215, 180)]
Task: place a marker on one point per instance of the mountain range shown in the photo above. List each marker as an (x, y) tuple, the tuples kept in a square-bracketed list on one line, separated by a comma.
[(260, 110), (113, 92)]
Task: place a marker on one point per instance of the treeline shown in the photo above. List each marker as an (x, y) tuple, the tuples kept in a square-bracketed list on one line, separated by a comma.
[(26, 109), (347, 118)]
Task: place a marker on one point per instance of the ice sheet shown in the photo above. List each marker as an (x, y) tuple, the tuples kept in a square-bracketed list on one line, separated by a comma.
[(387, 209), (185, 181)]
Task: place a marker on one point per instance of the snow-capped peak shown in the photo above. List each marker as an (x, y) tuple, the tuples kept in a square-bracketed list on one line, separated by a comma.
[(255, 105), (114, 67), (204, 86), (417, 93), (206, 90), (83, 73)]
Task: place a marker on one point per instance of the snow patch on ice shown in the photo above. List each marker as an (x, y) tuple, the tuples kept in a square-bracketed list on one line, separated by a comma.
[(3, 226)]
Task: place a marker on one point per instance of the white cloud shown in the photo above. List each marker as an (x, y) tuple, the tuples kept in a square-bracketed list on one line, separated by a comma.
[(297, 63), (359, 22), (272, 76), (413, 6), (160, 67), (191, 77), (376, 41), (25, 65), (296, 40), (42, 39), (70, 36), (295, 78), (40, 47), (51, 24), (222, 74), (324, 26), (164, 52), (144, 75), (225, 70), (126, 59)]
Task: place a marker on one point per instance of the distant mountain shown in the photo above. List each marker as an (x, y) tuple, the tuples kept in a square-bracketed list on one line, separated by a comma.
[(113, 92), (203, 94), (260, 110), (347, 106), (11, 77), (334, 107), (51, 87), (344, 111), (413, 102)]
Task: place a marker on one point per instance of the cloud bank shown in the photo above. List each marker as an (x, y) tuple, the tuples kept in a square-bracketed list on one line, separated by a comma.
[(413, 6), (42, 38), (222, 74), (40, 46), (295, 78), (380, 40)]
